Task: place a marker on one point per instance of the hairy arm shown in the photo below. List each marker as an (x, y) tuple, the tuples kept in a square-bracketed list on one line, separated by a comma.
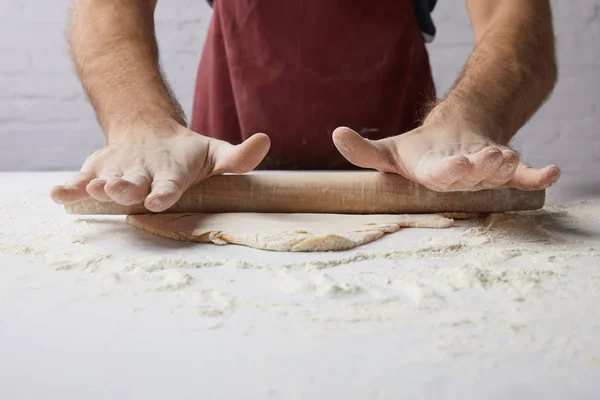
[(151, 156), (115, 52), (462, 143), (509, 74)]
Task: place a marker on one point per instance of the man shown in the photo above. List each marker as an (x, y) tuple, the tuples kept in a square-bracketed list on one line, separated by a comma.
[(301, 70)]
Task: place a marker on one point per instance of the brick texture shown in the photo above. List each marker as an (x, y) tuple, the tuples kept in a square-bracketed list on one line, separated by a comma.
[(47, 124)]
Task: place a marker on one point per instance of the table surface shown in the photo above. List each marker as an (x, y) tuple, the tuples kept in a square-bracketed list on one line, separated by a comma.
[(504, 307)]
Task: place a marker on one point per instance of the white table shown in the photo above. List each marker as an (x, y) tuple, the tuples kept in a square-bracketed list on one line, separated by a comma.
[(91, 308)]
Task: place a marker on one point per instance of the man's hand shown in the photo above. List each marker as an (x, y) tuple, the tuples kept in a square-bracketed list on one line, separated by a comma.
[(151, 156), (444, 160), (156, 168), (462, 142)]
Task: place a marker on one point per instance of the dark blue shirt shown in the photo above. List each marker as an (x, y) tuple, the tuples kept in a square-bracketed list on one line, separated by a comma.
[(423, 9)]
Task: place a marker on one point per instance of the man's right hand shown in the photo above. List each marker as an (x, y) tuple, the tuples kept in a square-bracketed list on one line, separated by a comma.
[(157, 167), (151, 156)]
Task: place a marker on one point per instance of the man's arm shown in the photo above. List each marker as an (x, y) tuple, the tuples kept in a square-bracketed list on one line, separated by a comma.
[(151, 156), (461, 144), (116, 55), (510, 73)]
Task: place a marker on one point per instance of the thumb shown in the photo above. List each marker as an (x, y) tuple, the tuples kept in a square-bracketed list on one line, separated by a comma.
[(528, 178), (364, 153), (241, 158)]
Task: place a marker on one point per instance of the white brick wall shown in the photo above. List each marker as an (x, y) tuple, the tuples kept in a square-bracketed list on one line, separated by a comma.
[(46, 123)]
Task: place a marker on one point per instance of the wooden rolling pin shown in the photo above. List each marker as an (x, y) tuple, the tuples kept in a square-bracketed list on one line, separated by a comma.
[(354, 192)]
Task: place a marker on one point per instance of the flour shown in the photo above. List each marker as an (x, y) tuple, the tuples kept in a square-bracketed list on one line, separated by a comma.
[(160, 264), (214, 303), (317, 284), (520, 275), (17, 249), (70, 261)]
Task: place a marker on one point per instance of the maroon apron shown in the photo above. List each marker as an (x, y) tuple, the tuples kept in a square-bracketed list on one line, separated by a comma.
[(297, 69)]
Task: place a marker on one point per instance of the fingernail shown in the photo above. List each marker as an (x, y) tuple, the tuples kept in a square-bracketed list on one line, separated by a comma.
[(155, 203)]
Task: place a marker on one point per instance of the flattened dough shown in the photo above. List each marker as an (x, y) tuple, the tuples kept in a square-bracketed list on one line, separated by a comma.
[(282, 232)]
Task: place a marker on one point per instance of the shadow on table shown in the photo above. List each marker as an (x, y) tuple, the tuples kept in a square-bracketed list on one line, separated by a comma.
[(542, 226)]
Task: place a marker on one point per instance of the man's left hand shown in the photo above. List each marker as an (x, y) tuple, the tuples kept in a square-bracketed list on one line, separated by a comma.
[(444, 159)]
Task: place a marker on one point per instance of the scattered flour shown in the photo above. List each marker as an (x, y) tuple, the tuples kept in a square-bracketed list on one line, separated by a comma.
[(161, 263), (318, 284), (505, 273), (69, 261)]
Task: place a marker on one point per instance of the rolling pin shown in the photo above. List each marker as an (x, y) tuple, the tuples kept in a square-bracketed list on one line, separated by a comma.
[(357, 192)]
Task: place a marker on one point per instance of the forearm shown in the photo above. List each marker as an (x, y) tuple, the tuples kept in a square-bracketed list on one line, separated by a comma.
[(510, 73), (116, 56)]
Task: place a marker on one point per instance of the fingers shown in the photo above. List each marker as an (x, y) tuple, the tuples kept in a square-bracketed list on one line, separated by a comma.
[(493, 166), (167, 187), (490, 167), (241, 158), (505, 171), (484, 165), (441, 174), (132, 188), (362, 152), (527, 178), (96, 187), (72, 191), (129, 189)]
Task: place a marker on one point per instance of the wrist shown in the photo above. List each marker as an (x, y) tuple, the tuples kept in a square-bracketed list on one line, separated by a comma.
[(154, 127), (466, 118), (159, 115)]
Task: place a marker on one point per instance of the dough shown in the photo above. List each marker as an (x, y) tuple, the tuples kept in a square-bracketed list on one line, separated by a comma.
[(282, 232)]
